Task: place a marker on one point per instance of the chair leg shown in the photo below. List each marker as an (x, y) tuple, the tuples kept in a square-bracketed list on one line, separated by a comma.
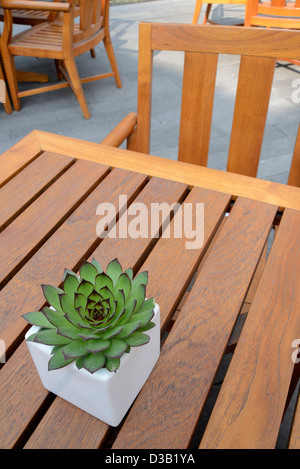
[(112, 59), (76, 85), (197, 11), (58, 63), (4, 98), (207, 13), (11, 77)]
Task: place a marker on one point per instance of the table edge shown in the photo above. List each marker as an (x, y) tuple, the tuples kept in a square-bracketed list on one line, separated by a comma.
[(236, 185)]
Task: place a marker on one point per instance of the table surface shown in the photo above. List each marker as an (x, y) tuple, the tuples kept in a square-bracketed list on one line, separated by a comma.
[(50, 187)]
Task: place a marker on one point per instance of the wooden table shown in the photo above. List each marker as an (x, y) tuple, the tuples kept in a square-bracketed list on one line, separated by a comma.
[(49, 194)]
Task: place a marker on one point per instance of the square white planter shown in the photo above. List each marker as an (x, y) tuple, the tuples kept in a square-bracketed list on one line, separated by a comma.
[(104, 394)]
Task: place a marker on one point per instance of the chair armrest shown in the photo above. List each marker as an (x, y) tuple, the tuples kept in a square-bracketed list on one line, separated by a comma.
[(32, 5), (122, 131)]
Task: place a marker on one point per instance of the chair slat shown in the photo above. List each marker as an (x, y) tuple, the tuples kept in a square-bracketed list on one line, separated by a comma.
[(86, 14), (251, 108), (145, 68), (225, 40), (197, 107)]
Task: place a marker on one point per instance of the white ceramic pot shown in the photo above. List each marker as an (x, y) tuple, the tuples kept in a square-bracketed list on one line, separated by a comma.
[(104, 394)]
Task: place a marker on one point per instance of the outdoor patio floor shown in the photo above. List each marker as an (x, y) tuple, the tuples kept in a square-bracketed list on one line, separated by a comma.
[(59, 111)]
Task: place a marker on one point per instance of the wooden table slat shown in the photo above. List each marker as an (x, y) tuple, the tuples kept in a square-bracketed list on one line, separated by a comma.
[(35, 224), (19, 192), (22, 395), (179, 384), (252, 399), (18, 157)]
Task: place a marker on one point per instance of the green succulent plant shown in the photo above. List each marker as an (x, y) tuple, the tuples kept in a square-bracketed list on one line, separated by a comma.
[(95, 317)]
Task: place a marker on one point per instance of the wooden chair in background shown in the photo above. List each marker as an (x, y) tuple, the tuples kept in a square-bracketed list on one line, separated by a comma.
[(210, 3), (274, 14), (202, 44), (29, 18), (61, 39)]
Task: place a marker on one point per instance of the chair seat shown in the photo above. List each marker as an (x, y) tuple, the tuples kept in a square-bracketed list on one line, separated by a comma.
[(27, 17), (47, 37)]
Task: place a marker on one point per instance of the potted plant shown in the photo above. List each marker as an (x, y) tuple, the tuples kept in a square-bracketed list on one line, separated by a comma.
[(99, 339)]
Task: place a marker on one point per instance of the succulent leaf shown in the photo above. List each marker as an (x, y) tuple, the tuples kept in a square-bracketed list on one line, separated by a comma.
[(96, 318), (140, 279), (112, 332), (37, 318), (67, 303), (55, 319), (94, 362), (88, 272), (143, 317), (112, 364), (50, 337), (70, 284), (124, 284), (97, 345), (58, 361), (97, 265), (52, 296), (74, 349), (139, 295), (69, 332), (129, 272), (116, 349), (148, 326), (114, 270), (137, 338), (148, 304), (103, 280), (129, 328), (85, 288)]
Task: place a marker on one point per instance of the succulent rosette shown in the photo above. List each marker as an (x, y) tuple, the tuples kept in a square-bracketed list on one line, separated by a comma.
[(95, 317)]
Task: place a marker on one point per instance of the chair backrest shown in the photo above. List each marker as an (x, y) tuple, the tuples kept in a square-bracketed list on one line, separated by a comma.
[(92, 15), (273, 14), (258, 48)]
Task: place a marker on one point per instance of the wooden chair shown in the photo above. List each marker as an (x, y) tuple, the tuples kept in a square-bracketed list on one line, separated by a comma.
[(33, 18), (210, 3), (202, 44), (274, 14), (4, 98), (60, 39)]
